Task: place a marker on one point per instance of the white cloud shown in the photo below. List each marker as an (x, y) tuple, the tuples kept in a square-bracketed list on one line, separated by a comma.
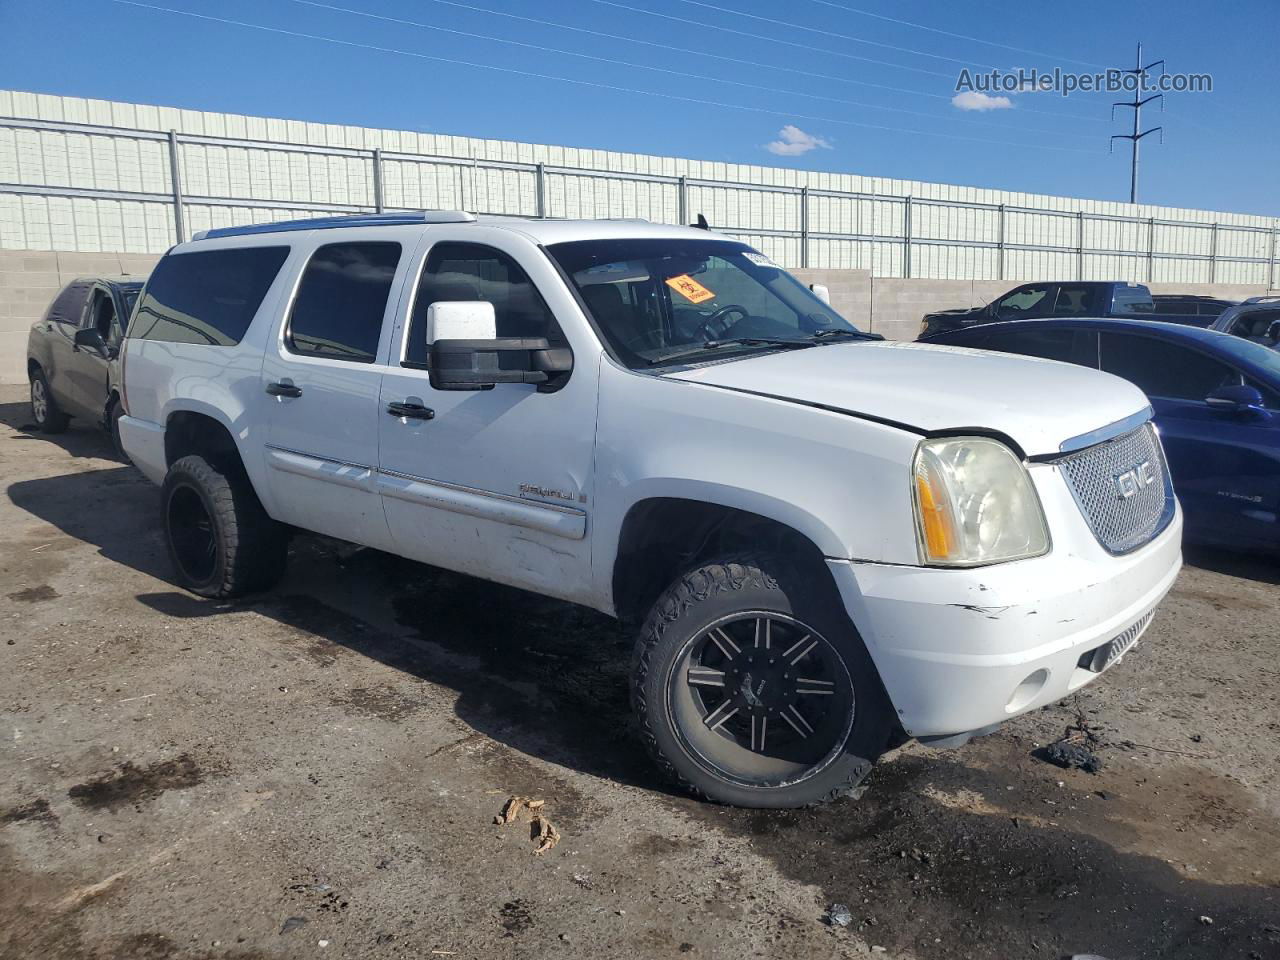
[(973, 100), (792, 141)]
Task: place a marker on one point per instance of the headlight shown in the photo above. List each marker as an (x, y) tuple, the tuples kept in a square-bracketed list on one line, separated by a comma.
[(975, 504)]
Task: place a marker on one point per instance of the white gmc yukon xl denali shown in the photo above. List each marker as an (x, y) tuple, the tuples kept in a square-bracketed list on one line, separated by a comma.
[(833, 542)]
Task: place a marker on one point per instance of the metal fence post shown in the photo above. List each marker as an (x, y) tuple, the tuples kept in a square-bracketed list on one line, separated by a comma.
[(540, 189), (1000, 244), (906, 238), (1079, 244), (1151, 249), (804, 226), (682, 200), (1271, 261), (175, 175), (1213, 254), (379, 203)]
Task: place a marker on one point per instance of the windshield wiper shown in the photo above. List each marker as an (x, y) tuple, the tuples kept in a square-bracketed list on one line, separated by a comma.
[(684, 352), (831, 333)]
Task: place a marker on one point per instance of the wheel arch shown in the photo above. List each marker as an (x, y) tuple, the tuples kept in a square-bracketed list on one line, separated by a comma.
[(661, 537), (201, 430)]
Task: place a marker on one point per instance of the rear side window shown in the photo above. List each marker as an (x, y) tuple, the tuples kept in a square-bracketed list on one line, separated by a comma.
[(1068, 346), (68, 306), (1075, 301), (1163, 369), (341, 301), (208, 297)]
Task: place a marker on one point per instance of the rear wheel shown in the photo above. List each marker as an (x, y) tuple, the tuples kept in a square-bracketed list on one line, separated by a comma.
[(220, 539), (44, 408), (754, 689)]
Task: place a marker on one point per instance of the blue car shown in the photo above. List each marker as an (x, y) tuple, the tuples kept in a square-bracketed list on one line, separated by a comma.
[(1217, 403)]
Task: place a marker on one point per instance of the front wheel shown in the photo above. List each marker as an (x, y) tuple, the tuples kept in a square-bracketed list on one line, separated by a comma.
[(753, 688)]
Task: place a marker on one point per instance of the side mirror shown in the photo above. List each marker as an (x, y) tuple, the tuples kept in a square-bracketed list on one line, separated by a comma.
[(821, 292), (1236, 399), (90, 339), (467, 354)]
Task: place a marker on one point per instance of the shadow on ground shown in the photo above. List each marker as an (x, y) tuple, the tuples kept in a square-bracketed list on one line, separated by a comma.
[(80, 439)]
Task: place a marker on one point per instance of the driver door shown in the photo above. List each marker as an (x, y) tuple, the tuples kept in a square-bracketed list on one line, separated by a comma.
[(87, 374), (496, 482)]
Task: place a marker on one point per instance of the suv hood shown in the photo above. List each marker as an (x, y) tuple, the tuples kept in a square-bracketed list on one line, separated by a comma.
[(931, 388)]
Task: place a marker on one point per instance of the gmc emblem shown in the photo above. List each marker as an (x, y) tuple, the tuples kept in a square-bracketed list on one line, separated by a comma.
[(1131, 481)]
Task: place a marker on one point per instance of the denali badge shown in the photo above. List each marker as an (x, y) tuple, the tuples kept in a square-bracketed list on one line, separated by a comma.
[(1131, 481)]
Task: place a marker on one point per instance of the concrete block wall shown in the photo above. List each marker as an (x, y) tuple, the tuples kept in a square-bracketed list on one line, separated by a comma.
[(28, 282)]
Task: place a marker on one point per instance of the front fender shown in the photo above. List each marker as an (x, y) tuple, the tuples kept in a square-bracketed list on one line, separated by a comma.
[(842, 482)]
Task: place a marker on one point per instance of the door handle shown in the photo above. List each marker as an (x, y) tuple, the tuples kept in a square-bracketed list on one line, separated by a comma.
[(412, 411), (283, 390)]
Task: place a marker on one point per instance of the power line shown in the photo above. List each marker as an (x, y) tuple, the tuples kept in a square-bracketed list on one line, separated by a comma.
[(704, 54), (754, 64), (958, 36), (590, 83), (643, 66), (805, 47), (841, 36), (760, 36)]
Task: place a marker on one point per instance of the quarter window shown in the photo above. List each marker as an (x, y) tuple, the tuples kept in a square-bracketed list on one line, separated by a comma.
[(208, 297), (471, 271), (1162, 369), (341, 301)]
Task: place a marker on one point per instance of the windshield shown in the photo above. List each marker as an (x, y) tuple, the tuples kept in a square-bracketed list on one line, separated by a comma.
[(668, 300)]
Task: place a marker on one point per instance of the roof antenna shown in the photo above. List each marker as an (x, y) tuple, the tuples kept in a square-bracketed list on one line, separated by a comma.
[(702, 223)]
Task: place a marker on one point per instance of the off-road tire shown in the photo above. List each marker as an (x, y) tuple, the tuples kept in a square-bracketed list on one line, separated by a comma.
[(754, 582), (53, 420), (249, 549)]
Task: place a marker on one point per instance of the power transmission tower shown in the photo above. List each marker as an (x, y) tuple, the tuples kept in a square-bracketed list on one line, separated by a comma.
[(1136, 105)]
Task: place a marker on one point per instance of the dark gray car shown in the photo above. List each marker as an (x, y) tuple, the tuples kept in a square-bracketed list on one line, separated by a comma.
[(71, 352)]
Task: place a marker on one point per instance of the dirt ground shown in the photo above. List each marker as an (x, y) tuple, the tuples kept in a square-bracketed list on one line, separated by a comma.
[(316, 772)]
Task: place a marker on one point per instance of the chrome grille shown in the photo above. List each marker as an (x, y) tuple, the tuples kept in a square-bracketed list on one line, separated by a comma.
[(1123, 488)]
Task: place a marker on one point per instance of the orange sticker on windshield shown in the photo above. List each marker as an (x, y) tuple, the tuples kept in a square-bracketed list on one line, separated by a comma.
[(690, 288)]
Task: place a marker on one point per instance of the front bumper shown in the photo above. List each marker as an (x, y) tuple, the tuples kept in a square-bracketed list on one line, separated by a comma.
[(960, 650)]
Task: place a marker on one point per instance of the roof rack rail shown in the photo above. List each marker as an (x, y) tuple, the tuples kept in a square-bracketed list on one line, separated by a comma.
[(404, 218), (1266, 298)]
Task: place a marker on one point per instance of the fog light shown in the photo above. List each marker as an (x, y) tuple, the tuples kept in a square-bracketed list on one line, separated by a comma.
[(1027, 691)]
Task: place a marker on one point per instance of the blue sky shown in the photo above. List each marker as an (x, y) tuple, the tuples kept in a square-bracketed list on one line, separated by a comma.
[(800, 92)]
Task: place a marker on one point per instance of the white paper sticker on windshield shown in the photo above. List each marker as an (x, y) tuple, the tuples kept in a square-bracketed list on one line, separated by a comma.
[(759, 259)]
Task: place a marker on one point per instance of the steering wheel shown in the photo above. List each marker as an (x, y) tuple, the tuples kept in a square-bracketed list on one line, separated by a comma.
[(708, 329)]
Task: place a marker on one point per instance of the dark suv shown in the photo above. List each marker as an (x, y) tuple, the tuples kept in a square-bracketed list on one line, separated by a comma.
[(71, 353)]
